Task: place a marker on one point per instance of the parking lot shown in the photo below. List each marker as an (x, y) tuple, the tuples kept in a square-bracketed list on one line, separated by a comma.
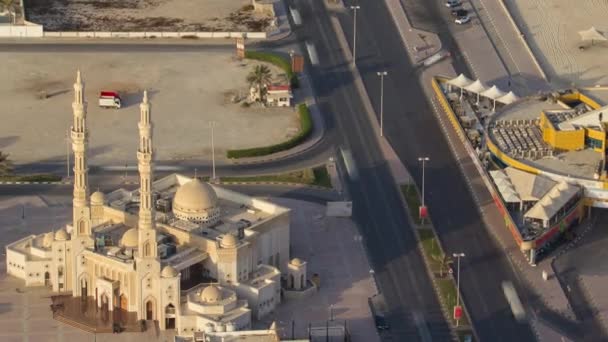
[(187, 90)]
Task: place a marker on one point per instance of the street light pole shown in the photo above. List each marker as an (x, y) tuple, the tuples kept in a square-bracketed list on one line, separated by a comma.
[(382, 74), (212, 125), (355, 8), (458, 256), (423, 160)]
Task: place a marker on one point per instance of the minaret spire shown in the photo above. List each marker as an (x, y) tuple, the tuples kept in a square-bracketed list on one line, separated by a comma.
[(147, 234), (79, 135)]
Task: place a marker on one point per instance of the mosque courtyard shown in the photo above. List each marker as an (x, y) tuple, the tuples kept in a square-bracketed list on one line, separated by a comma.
[(189, 90)]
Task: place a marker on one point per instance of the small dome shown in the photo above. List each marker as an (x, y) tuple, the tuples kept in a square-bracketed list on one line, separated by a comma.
[(228, 241), (97, 198), (169, 272), (47, 240), (211, 294), (61, 235), (296, 262), (195, 196), (130, 238)]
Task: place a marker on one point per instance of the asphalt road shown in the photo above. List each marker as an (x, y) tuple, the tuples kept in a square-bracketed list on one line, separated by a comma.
[(389, 239), (413, 131)]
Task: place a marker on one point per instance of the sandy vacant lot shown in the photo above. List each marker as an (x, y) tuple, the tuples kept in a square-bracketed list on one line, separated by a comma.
[(146, 15), (188, 90), (551, 27)]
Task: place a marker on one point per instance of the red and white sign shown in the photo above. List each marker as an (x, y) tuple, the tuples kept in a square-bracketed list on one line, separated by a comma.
[(457, 312), (423, 212)]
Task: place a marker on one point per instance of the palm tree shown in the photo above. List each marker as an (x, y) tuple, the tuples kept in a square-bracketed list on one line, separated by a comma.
[(8, 5), (6, 166), (259, 76), (444, 262)]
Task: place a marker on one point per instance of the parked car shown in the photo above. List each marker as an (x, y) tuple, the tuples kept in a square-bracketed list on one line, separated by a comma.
[(452, 3), (381, 323), (458, 13), (109, 99), (462, 20)]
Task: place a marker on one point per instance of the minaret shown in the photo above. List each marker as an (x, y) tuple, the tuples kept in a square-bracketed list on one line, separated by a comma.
[(79, 135), (147, 233)]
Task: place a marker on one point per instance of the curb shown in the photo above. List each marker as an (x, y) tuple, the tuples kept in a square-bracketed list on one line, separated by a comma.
[(35, 183)]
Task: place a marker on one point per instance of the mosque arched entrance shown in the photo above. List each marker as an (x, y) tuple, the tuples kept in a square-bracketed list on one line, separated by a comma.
[(150, 310), (124, 302)]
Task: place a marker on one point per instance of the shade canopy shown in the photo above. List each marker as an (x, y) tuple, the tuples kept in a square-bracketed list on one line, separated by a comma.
[(493, 93), (461, 81), (510, 97), (592, 34), (476, 87)]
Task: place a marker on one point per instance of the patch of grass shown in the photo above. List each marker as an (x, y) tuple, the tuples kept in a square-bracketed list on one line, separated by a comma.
[(277, 60), (306, 126), (31, 178), (413, 201), (317, 176), (447, 287)]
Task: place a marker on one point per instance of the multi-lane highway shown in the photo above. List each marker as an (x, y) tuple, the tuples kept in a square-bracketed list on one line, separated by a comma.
[(413, 131)]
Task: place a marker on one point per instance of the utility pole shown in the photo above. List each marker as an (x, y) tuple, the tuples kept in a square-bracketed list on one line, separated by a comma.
[(212, 125), (382, 74), (458, 256), (355, 8), (423, 160)]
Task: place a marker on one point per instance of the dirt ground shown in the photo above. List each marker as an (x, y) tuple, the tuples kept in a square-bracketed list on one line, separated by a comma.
[(187, 91), (146, 15), (552, 26)]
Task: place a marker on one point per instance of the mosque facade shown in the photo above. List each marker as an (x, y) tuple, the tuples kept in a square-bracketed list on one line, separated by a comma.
[(188, 254)]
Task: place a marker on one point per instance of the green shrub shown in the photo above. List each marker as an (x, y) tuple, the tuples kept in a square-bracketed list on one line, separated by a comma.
[(31, 178), (277, 60), (305, 131)]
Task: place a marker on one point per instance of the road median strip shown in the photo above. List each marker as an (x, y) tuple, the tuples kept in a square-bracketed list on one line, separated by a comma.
[(438, 264)]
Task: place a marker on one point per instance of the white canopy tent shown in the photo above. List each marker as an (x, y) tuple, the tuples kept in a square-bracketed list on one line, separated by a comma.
[(592, 34), (493, 94), (461, 81), (476, 87), (509, 98)]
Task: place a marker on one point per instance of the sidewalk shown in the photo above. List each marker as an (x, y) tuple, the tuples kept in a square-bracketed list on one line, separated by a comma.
[(526, 74)]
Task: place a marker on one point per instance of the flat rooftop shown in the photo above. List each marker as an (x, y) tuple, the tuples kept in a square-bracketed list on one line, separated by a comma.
[(524, 138)]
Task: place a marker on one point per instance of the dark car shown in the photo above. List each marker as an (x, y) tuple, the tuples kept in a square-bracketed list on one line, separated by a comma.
[(381, 323), (460, 13)]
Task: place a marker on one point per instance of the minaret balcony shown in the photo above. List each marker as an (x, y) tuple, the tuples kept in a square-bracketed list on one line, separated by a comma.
[(144, 156)]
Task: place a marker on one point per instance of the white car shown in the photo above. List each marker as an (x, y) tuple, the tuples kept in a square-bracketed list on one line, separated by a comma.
[(462, 20), (513, 299), (452, 3)]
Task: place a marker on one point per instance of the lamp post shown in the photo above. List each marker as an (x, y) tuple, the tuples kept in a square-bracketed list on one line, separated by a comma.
[(382, 74), (423, 160), (212, 125), (458, 256), (355, 8)]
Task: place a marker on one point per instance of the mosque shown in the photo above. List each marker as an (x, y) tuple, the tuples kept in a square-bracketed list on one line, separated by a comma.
[(189, 255)]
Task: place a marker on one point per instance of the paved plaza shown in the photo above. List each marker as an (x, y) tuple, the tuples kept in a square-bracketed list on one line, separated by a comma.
[(187, 90), (330, 245), (333, 249)]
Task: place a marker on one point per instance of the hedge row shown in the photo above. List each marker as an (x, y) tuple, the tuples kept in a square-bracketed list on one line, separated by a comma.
[(277, 60), (31, 178), (305, 131)]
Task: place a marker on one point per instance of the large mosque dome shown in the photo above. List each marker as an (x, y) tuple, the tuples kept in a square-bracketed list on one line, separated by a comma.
[(197, 202)]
